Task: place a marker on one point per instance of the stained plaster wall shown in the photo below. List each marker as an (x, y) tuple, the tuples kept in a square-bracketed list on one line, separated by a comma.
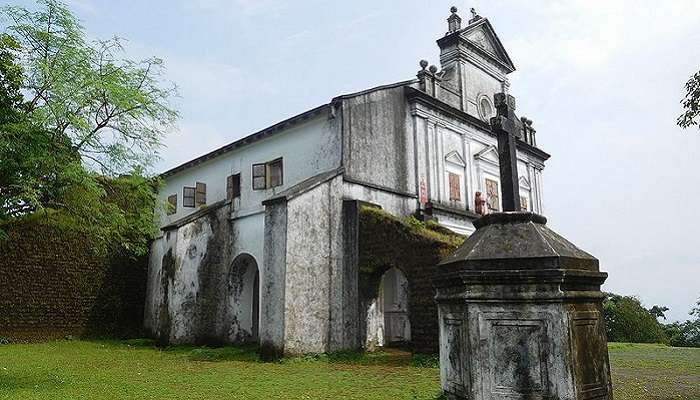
[(196, 293), (393, 150), (307, 148), (445, 144), (376, 146), (174, 295), (313, 261)]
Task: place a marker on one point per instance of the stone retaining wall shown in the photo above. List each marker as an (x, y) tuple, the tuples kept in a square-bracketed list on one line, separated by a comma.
[(52, 284)]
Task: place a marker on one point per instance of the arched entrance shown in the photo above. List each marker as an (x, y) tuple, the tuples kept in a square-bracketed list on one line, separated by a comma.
[(393, 294), (244, 299), (387, 314)]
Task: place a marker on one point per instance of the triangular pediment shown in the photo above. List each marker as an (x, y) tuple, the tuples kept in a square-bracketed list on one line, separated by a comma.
[(524, 183), (489, 154), (482, 37), (455, 158)]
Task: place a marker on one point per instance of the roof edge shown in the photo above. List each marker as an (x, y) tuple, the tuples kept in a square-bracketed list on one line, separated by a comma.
[(254, 137)]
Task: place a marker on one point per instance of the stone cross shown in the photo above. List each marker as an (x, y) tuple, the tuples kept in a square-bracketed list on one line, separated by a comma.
[(506, 127)]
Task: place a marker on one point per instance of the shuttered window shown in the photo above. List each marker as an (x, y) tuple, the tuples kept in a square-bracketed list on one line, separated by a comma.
[(188, 196), (172, 204), (200, 197), (233, 186)]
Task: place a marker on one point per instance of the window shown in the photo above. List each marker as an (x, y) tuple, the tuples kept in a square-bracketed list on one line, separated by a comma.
[(200, 196), (455, 189), (268, 175), (259, 179), (523, 203), (172, 204), (233, 186), (275, 173), (188, 196), (492, 195)]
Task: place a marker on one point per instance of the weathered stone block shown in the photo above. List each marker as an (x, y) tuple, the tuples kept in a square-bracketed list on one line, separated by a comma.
[(520, 312)]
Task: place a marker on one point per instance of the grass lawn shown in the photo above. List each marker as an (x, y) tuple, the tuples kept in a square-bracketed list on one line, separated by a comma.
[(135, 370)]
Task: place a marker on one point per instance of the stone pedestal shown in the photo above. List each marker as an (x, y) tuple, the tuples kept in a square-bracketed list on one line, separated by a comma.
[(521, 316)]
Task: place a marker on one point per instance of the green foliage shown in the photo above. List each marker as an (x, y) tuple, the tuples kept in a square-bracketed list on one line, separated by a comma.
[(685, 334), (79, 126), (691, 103), (628, 321)]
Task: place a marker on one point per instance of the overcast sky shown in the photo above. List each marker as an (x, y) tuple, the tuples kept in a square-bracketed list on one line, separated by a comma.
[(601, 80)]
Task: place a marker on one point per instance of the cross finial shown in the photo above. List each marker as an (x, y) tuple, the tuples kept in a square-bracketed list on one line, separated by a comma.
[(506, 127), (475, 16)]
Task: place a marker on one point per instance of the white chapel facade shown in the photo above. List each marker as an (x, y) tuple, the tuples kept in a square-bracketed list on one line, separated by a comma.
[(255, 245)]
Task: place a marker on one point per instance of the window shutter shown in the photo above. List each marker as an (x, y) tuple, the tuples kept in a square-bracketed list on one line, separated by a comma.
[(233, 186), (229, 187), (492, 195), (276, 171), (236, 183), (259, 178), (200, 197), (172, 204), (455, 189)]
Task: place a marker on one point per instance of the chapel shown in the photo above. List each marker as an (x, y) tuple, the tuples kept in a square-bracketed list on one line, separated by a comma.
[(259, 241)]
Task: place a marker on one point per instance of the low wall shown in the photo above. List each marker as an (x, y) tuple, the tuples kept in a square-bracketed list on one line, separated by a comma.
[(53, 284)]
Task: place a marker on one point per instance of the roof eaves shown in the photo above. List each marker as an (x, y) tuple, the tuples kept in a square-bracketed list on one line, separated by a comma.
[(269, 131)]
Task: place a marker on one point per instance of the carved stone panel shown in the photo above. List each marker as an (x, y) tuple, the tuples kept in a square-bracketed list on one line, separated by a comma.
[(515, 357), (587, 346), (454, 363)]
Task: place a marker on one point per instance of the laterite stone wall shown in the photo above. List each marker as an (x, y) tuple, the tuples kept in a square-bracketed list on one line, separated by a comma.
[(52, 284), (385, 242)]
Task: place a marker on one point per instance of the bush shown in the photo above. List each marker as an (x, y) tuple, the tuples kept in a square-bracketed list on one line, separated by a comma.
[(627, 320)]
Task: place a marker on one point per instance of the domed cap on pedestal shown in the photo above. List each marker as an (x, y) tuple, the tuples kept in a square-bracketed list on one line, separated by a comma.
[(517, 241)]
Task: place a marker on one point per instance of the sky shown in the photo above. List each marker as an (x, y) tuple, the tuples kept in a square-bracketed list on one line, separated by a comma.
[(602, 81)]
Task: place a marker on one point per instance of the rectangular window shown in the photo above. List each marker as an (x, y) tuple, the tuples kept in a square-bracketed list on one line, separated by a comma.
[(172, 204), (200, 197), (455, 188), (259, 178), (275, 173), (492, 195), (188, 196), (233, 186), (523, 203), (268, 175)]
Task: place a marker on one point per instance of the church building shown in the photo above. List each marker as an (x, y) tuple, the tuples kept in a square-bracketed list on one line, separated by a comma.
[(258, 241)]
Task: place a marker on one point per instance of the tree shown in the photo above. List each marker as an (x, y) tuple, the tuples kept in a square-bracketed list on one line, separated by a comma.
[(627, 320), (691, 103), (77, 122), (658, 311), (686, 334)]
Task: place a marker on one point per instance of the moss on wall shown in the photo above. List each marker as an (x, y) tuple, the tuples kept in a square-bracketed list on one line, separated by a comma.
[(53, 284), (414, 247)]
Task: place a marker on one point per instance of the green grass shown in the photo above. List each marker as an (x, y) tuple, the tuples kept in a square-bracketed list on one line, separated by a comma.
[(136, 370), (654, 372)]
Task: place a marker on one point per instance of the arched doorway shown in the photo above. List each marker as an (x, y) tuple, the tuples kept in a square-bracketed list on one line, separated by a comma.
[(393, 295), (387, 320), (244, 299)]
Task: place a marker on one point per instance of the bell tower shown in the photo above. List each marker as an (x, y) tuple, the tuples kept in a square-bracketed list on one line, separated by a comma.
[(474, 65)]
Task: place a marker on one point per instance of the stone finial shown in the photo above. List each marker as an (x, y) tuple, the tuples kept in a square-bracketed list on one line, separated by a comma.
[(423, 64), (433, 69), (475, 16), (454, 22)]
